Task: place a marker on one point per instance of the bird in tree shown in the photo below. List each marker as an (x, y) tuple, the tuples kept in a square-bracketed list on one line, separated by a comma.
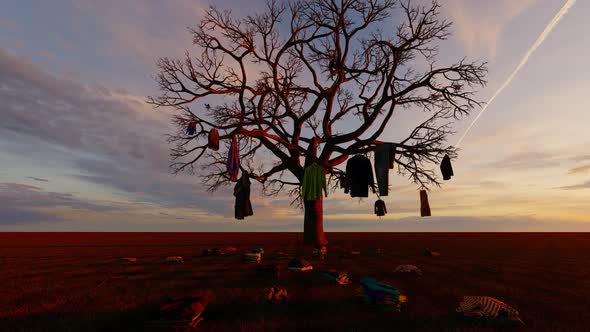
[(315, 81)]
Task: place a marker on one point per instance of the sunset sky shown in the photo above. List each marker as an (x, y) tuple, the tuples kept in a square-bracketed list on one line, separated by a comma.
[(80, 150)]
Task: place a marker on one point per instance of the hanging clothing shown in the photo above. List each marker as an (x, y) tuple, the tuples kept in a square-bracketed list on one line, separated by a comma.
[(192, 128), (424, 206), (446, 168), (243, 206), (384, 157), (345, 183), (233, 160), (360, 172), (213, 142), (380, 209), (314, 181)]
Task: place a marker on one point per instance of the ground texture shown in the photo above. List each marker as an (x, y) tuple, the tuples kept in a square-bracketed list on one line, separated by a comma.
[(75, 281)]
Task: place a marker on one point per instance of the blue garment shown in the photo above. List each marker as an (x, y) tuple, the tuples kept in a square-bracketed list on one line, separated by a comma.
[(233, 160)]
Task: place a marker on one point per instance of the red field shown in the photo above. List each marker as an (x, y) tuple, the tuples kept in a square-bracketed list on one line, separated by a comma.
[(74, 281)]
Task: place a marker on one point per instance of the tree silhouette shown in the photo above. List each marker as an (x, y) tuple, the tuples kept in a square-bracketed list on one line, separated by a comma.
[(291, 81)]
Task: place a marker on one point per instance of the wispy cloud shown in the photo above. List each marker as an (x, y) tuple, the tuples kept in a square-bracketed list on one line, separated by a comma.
[(584, 185), (37, 179), (580, 170)]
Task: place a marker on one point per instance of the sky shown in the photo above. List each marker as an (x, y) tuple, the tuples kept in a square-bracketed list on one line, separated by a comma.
[(80, 150)]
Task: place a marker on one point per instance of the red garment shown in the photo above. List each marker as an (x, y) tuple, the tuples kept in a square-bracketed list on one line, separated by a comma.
[(213, 140), (424, 206)]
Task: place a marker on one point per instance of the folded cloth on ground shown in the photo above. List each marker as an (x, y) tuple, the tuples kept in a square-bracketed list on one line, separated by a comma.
[(429, 253), (174, 260), (384, 295), (253, 257), (275, 295), (485, 307), (408, 268), (130, 260), (339, 277), (178, 315)]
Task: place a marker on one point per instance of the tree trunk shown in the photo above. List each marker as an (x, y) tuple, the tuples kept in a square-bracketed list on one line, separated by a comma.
[(313, 225)]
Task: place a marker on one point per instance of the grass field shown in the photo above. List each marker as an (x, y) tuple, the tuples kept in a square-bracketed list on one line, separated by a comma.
[(74, 281)]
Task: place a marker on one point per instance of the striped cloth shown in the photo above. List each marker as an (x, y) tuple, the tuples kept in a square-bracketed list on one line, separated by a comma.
[(486, 307)]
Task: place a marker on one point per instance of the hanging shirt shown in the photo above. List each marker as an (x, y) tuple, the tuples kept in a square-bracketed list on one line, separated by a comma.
[(446, 168), (213, 142), (314, 181), (384, 157), (360, 174), (424, 206), (192, 128), (243, 206), (380, 209), (233, 160)]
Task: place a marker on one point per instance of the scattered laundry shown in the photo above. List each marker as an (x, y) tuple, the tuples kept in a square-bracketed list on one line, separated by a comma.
[(252, 257), (257, 250), (179, 315), (384, 158), (174, 260), (360, 173), (339, 277), (385, 296), (129, 260), (408, 269), (299, 264), (275, 295), (213, 140), (424, 206), (211, 252), (488, 308), (380, 209), (243, 205), (314, 182), (446, 168), (429, 253), (233, 160)]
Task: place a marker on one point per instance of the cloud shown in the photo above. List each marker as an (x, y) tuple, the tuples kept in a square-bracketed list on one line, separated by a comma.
[(580, 169), (585, 185), (479, 23), (37, 179)]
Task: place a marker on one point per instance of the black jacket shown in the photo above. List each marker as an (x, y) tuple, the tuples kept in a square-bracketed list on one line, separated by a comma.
[(243, 206), (380, 209), (446, 168), (360, 174)]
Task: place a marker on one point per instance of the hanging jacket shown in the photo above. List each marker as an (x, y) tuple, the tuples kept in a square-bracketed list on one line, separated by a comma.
[(380, 209), (213, 142), (233, 160), (243, 206), (446, 168), (424, 206), (192, 128), (384, 156), (314, 181), (345, 183), (360, 173)]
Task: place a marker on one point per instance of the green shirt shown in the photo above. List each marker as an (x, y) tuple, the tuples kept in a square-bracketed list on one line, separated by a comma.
[(314, 181)]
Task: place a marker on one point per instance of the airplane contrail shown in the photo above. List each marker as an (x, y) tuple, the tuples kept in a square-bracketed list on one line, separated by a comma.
[(569, 4)]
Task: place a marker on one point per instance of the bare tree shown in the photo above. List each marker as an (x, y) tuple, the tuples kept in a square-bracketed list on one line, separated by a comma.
[(289, 81)]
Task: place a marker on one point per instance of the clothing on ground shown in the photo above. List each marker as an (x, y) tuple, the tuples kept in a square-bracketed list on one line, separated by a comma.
[(233, 160), (384, 157), (446, 168), (314, 182), (360, 173), (380, 209), (424, 206), (488, 307), (213, 142), (243, 206)]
